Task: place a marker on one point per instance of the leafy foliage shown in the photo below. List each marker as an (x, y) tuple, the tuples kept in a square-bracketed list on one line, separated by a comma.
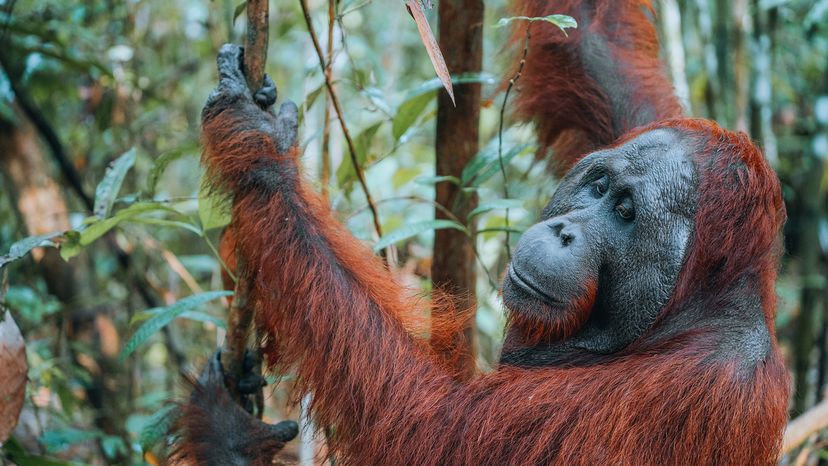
[(122, 83)]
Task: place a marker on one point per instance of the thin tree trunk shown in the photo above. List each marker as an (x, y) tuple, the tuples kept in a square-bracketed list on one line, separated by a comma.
[(809, 254), (671, 24), (711, 61), (453, 267), (722, 41), (742, 29), (763, 89)]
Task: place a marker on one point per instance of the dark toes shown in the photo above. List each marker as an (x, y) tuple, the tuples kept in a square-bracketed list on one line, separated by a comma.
[(250, 383), (285, 431), (265, 97)]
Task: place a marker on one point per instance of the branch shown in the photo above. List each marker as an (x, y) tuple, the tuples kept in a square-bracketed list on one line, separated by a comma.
[(325, 176), (808, 423), (241, 313), (500, 136), (255, 46), (338, 110)]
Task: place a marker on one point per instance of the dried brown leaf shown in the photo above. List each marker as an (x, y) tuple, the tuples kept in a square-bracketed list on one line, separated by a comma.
[(415, 9)]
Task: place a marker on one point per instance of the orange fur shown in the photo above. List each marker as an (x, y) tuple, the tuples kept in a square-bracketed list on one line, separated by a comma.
[(586, 88), (333, 312)]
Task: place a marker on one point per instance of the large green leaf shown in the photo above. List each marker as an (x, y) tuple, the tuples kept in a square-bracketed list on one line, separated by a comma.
[(165, 316), (198, 316), (408, 112), (162, 162), (562, 21), (310, 99), (157, 426), (14, 452), (416, 100), (213, 210), (485, 164), (98, 228), (345, 174), (494, 205), (414, 229), (108, 188), (432, 180), (20, 248)]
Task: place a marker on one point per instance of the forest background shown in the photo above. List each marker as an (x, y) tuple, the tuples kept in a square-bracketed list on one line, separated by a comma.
[(99, 154)]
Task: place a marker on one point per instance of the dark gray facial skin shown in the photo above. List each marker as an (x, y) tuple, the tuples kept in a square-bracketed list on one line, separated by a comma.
[(622, 217)]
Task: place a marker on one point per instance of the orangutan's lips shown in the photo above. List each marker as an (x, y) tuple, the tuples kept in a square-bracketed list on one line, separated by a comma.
[(528, 287)]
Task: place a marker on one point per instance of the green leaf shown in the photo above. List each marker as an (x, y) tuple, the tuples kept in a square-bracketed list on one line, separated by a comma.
[(432, 180), (157, 426), (416, 100), (98, 228), (108, 188), (14, 452), (485, 164), (61, 439), (310, 99), (239, 10), (213, 211), (414, 229), (408, 112), (20, 248), (161, 163), (377, 97), (70, 247), (7, 112), (514, 230), (562, 21), (169, 223), (198, 316), (404, 175), (495, 204), (346, 174), (112, 446), (165, 316)]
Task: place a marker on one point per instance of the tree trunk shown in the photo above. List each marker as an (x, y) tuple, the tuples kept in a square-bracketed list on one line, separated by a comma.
[(810, 254), (713, 88), (452, 270), (742, 31), (671, 24)]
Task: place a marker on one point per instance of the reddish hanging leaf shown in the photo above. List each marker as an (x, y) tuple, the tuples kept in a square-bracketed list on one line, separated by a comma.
[(13, 370), (415, 9)]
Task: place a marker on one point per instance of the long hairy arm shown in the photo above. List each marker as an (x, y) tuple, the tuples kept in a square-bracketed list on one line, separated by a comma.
[(586, 88)]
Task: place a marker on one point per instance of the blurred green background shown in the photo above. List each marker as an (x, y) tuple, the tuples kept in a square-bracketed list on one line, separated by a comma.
[(92, 84)]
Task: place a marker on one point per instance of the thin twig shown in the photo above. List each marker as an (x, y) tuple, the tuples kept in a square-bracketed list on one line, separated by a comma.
[(500, 138), (325, 176), (340, 117)]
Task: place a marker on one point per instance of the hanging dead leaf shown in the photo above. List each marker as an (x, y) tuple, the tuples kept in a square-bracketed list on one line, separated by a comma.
[(415, 9), (13, 370)]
